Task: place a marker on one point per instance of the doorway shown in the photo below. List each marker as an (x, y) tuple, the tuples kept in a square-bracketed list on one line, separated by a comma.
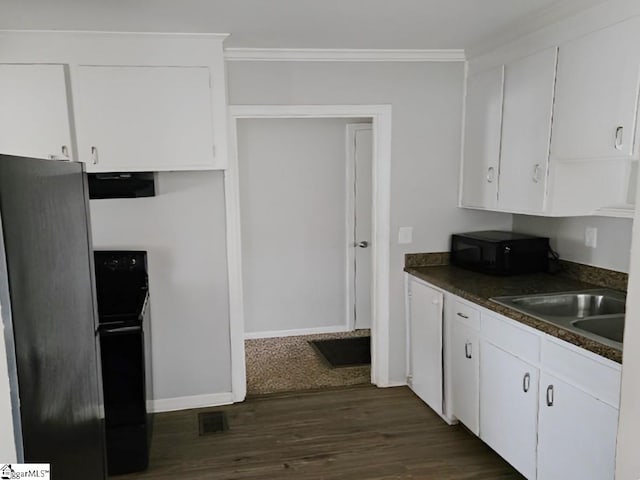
[(381, 129), (299, 180)]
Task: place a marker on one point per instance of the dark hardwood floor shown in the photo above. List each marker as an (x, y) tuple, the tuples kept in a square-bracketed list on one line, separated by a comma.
[(355, 433)]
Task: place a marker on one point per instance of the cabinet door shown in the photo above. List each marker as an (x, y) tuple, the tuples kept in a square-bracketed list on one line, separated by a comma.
[(483, 122), (425, 344), (465, 375), (577, 433), (34, 112), (509, 407), (597, 94), (144, 118), (526, 132)]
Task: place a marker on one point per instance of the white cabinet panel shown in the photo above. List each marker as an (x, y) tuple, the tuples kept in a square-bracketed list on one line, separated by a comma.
[(509, 407), (597, 92), (465, 375), (34, 114), (526, 131), (425, 343), (144, 118), (577, 433), (483, 123)]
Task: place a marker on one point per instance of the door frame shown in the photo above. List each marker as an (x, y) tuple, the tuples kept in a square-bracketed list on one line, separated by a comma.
[(350, 219), (381, 217)]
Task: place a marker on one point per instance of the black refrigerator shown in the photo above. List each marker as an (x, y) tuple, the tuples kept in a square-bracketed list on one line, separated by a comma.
[(49, 312)]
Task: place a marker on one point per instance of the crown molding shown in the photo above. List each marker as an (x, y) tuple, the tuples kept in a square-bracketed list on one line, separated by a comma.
[(341, 55), (544, 17)]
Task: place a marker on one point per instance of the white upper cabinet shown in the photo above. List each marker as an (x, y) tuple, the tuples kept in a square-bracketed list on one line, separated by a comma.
[(144, 118), (569, 136), (34, 112), (483, 123), (115, 101), (529, 85), (597, 94)]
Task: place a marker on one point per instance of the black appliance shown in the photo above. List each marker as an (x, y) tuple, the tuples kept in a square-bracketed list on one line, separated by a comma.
[(500, 253), (125, 345), (122, 185), (48, 310)]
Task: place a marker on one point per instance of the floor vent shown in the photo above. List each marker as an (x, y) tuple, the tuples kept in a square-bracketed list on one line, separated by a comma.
[(212, 422)]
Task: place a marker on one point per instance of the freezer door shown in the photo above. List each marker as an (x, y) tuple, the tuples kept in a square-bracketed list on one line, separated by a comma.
[(47, 242)]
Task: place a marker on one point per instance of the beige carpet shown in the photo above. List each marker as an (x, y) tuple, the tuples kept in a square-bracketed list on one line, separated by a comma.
[(287, 364)]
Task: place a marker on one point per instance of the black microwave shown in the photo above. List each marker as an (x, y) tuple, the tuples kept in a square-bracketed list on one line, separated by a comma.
[(500, 253)]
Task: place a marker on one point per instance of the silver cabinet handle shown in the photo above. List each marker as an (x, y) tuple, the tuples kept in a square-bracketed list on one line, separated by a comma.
[(491, 174), (550, 396), (64, 154), (363, 244), (468, 349), (526, 382), (618, 142), (536, 173), (94, 155), (462, 315)]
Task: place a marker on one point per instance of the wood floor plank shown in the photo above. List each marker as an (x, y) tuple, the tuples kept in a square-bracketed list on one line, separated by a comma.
[(355, 433)]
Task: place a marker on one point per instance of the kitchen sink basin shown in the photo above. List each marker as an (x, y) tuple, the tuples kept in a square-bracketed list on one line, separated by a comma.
[(596, 314), (611, 327), (572, 304)]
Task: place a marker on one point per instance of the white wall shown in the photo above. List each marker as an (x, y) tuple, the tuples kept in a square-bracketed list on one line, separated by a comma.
[(293, 207), (627, 458), (183, 230), (426, 99), (567, 238)]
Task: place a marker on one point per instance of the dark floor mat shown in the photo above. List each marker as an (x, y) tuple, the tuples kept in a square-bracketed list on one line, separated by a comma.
[(344, 352)]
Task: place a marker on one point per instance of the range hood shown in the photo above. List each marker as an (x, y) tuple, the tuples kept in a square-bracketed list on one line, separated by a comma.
[(122, 185)]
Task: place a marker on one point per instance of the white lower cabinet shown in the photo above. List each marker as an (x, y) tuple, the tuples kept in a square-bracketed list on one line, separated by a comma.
[(465, 375), (425, 343), (576, 433), (509, 407), (548, 408)]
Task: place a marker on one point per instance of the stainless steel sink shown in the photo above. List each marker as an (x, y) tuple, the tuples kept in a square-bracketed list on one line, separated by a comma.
[(596, 314), (611, 327), (572, 304)]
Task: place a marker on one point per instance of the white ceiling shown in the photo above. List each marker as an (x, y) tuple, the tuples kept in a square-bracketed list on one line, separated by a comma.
[(420, 24)]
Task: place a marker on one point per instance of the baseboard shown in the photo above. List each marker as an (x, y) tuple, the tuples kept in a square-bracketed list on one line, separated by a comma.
[(296, 333), (193, 401), (392, 384)]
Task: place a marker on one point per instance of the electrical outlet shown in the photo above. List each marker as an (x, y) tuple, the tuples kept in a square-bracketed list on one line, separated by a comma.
[(405, 235), (591, 237)]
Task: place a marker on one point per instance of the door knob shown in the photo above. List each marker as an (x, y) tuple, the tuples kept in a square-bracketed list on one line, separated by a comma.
[(363, 244)]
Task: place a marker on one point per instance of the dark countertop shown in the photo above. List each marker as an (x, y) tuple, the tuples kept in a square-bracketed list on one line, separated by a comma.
[(478, 288)]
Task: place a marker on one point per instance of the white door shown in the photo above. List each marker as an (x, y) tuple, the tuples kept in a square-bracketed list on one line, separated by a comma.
[(482, 130), (360, 141), (577, 433), (509, 407), (34, 111), (526, 131), (425, 344)]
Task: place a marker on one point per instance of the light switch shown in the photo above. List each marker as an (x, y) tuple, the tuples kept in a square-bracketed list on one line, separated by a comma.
[(405, 235)]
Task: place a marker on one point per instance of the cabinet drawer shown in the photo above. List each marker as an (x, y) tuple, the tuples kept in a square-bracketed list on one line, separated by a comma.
[(598, 377), (466, 314), (511, 338)]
